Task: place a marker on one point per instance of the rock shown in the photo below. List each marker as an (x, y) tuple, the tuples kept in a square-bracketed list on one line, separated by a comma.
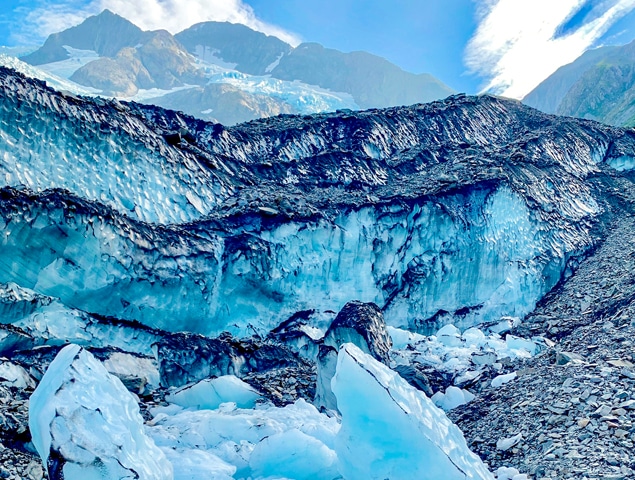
[(363, 325), (414, 374), (187, 358), (562, 358)]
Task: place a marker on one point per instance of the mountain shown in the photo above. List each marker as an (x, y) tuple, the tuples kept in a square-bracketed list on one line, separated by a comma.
[(600, 85), (106, 34), (313, 296), (225, 72), (371, 80), (247, 50), (159, 62)]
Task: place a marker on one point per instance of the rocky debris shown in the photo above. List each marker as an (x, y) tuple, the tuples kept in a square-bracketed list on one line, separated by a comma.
[(283, 386), (571, 406), (299, 334), (186, 358), (18, 459), (363, 325)]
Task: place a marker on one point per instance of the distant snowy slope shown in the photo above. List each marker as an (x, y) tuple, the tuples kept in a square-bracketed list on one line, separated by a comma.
[(371, 80), (247, 50), (51, 80)]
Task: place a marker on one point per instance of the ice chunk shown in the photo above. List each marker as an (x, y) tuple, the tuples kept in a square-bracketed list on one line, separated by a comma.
[(517, 343), (293, 454), (91, 423), (402, 338), (452, 398), (190, 464), (450, 336), (15, 376), (233, 434), (474, 337), (503, 379), (210, 393), (392, 430)]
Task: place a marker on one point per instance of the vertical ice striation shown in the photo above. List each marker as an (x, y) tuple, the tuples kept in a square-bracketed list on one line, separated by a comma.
[(392, 430), (463, 258)]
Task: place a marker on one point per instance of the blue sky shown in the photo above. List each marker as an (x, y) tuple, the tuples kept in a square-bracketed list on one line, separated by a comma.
[(504, 46)]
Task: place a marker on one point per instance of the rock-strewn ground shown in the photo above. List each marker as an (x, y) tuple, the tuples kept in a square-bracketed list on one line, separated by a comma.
[(572, 408)]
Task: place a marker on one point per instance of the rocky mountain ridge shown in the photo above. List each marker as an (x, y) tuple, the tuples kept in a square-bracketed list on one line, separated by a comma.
[(249, 65), (598, 86)]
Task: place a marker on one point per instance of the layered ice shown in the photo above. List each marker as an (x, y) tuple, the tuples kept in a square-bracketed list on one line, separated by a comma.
[(57, 82), (103, 263), (465, 259), (400, 433), (50, 141), (445, 212), (85, 424)]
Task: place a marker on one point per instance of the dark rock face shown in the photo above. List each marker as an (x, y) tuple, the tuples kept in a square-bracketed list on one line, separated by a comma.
[(251, 51), (186, 358), (106, 34), (362, 324)]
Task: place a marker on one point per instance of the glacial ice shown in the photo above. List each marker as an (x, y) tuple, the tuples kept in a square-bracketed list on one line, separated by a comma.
[(48, 141), (452, 398), (294, 455), (413, 262), (51, 79), (400, 433), (85, 424), (233, 435), (412, 257), (501, 380), (14, 375), (210, 393)]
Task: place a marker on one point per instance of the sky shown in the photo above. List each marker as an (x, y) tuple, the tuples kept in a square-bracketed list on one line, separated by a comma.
[(505, 47)]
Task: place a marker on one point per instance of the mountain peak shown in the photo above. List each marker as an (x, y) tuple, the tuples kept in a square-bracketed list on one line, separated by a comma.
[(105, 33)]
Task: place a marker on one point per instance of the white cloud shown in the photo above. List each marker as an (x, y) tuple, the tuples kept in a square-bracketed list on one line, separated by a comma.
[(516, 44), (171, 15)]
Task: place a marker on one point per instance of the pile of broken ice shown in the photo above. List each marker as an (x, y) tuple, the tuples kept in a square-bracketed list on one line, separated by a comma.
[(85, 424)]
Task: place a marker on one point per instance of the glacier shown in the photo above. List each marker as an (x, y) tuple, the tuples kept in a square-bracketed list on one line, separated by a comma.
[(205, 267), (418, 201), (400, 434)]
